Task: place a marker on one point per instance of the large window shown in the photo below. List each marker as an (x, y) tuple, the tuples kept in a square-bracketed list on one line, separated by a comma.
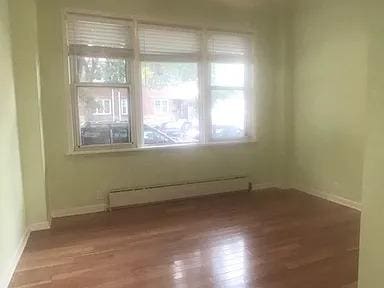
[(100, 53), (228, 61), (137, 85)]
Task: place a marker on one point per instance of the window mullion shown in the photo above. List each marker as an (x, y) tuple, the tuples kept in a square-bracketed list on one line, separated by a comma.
[(138, 124), (103, 85), (243, 88), (73, 62), (249, 102), (204, 113)]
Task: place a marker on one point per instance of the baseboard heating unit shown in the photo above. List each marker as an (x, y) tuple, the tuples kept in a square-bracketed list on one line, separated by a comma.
[(159, 193)]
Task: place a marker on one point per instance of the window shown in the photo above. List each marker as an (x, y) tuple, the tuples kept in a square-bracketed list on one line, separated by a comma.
[(124, 107), (175, 86), (100, 53), (228, 58), (177, 116), (161, 106), (169, 63), (103, 107)]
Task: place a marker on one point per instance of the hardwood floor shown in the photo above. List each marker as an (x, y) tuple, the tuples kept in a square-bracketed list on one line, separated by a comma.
[(269, 239)]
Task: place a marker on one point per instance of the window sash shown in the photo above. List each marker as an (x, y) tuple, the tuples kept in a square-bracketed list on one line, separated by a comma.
[(159, 109), (124, 107), (75, 73), (103, 107), (248, 109), (243, 97), (99, 52), (76, 119), (134, 58), (76, 84)]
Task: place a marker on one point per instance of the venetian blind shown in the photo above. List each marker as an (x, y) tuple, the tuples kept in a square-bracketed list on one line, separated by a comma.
[(98, 35), (162, 41), (228, 46)]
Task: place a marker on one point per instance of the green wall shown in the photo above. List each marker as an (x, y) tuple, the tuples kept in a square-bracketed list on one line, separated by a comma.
[(27, 86), (74, 181), (329, 70), (372, 225), (315, 62), (12, 215)]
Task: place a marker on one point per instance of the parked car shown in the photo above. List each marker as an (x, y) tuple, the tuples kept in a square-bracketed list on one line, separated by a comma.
[(155, 137), (115, 133), (222, 132), (176, 129)]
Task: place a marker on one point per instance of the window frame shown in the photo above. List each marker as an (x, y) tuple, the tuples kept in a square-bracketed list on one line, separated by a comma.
[(103, 101), (134, 85), (124, 109), (244, 89), (161, 106), (247, 88), (75, 85)]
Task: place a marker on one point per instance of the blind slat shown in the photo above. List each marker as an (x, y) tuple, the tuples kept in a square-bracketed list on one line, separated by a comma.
[(222, 45), (161, 40), (95, 51), (98, 31), (154, 40)]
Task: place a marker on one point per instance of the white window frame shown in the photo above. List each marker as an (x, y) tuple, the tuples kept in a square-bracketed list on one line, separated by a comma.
[(75, 85), (249, 110), (135, 110), (102, 103), (161, 105), (124, 107), (248, 104)]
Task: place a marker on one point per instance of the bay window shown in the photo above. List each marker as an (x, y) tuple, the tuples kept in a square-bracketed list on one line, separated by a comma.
[(137, 85)]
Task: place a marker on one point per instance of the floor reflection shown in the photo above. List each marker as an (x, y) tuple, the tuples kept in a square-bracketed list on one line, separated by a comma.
[(229, 262), (184, 268)]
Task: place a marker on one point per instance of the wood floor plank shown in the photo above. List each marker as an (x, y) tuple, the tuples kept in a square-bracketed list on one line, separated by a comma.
[(268, 239)]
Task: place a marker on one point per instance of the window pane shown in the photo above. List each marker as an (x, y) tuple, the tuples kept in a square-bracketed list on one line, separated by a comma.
[(228, 114), (104, 115), (170, 108), (227, 74), (101, 70)]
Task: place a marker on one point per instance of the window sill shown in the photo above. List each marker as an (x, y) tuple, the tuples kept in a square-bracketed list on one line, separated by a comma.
[(159, 148)]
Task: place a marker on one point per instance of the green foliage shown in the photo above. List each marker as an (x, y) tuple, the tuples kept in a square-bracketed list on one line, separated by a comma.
[(102, 70), (157, 75)]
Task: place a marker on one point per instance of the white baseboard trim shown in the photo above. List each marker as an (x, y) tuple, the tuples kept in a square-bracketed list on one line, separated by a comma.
[(59, 213), (102, 207), (7, 277), (46, 225), (331, 197), (78, 210), (10, 270), (262, 186)]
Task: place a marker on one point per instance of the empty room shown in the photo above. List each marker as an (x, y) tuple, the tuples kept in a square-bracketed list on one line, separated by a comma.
[(204, 143)]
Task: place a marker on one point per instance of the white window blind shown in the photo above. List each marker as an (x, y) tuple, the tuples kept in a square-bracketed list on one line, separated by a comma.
[(89, 34), (161, 42), (222, 46)]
